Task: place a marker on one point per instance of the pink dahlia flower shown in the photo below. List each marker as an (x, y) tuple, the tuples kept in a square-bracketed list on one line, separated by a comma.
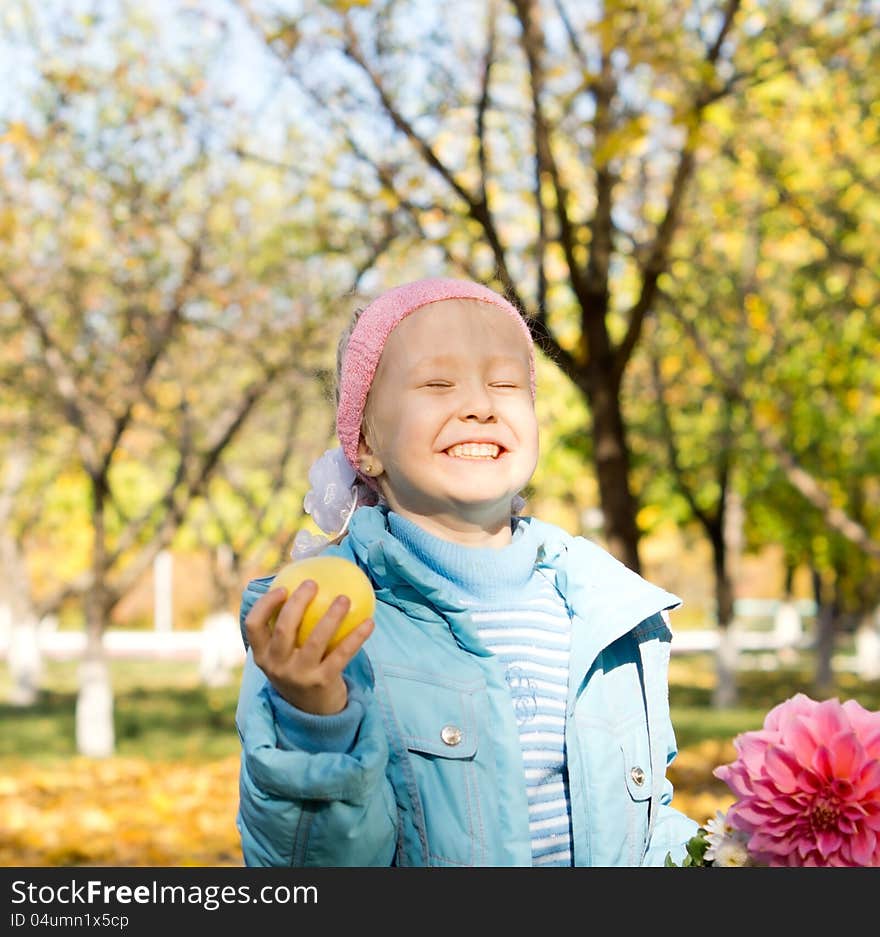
[(808, 785)]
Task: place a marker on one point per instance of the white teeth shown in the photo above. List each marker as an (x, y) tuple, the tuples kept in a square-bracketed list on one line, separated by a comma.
[(474, 450)]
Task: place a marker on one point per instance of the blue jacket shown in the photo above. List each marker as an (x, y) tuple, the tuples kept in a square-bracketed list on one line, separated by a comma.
[(432, 773)]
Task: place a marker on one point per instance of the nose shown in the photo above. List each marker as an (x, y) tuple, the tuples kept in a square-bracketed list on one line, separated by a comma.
[(477, 406)]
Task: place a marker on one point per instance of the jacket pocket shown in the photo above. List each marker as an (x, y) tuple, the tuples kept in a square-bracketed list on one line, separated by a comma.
[(435, 721), (637, 766), (637, 777)]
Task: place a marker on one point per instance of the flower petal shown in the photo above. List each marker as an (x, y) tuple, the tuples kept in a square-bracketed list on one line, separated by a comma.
[(784, 768), (846, 754)]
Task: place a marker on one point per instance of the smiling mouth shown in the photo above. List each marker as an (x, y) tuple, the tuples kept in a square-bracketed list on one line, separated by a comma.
[(475, 450)]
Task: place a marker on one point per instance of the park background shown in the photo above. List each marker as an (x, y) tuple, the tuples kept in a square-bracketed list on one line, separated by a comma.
[(683, 199)]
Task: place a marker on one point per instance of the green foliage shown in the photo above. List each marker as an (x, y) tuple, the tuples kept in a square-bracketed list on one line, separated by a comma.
[(762, 344), (696, 850)]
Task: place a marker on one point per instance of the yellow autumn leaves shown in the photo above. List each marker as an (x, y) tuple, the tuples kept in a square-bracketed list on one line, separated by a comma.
[(136, 812), (119, 812)]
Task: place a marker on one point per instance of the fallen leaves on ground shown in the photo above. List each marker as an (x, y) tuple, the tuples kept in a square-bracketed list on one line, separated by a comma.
[(120, 812), (698, 793), (134, 812)]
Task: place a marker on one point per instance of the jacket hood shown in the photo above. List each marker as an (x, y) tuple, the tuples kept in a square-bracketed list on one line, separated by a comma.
[(599, 589)]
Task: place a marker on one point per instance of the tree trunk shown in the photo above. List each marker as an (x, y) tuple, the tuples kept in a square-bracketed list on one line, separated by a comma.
[(788, 629), (726, 693), (18, 618), (725, 531), (24, 660), (825, 626), (95, 737), (867, 644), (613, 471), (222, 647)]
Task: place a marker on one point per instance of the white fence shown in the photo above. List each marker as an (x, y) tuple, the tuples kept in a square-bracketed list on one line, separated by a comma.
[(774, 631), (156, 645), (760, 625), (217, 648)]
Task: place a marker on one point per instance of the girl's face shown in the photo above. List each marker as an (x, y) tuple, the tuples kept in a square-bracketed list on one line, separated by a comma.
[(450, 426)]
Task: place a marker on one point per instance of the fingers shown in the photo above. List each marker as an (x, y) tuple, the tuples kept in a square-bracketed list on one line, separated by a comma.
[(257, 620), (290, 617), (350, 645), (275, 616), (308, 676), (316, 643), (272, 627)]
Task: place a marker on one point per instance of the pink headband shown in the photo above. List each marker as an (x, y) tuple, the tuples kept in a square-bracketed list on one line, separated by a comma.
[(371, 332)]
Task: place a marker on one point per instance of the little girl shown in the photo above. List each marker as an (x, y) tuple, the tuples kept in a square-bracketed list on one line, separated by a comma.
[(507, 705)]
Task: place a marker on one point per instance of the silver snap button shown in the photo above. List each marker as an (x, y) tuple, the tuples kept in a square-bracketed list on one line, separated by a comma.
[(637, 775), (451, 735)]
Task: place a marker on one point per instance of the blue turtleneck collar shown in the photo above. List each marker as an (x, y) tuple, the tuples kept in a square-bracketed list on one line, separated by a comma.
[(479, 572)]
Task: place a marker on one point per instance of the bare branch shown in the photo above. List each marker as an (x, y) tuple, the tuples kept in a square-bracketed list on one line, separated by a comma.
[(658, 255), (483, 101), (532, 42), (17, 462), (65, 383), (353, 51), (477, 206), (655, 263), (669, 438), (158, 345)]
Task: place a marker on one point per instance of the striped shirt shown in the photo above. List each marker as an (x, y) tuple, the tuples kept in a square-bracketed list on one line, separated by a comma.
[(523, 620)]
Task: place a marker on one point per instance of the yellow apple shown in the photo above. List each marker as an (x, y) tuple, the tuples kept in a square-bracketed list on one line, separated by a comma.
[(334, 576)]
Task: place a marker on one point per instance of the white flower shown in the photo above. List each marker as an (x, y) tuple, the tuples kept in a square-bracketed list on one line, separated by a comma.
[(717, 828), (728, 847), (732, 853)]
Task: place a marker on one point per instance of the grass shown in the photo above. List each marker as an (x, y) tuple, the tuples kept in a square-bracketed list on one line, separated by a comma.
[(162, 712), (692, 681), (169, 795)]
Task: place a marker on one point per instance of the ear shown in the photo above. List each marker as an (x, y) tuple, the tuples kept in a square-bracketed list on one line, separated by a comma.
[(368, 462)]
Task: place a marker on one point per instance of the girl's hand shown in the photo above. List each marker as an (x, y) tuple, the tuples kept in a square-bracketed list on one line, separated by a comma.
[(308, 677)]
